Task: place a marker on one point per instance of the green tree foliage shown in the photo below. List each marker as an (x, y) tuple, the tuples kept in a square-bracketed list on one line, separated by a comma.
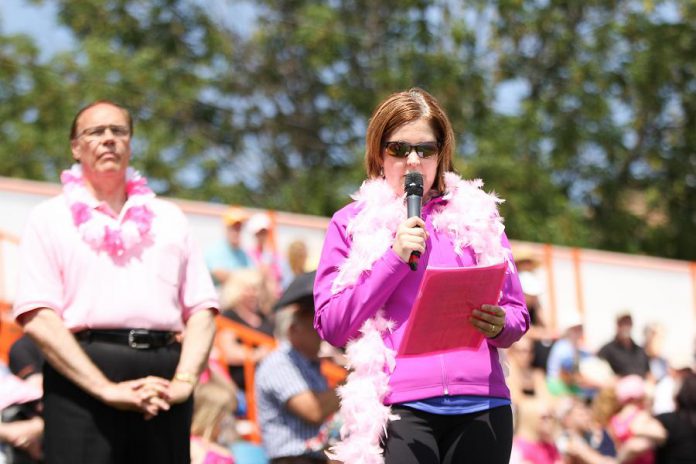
[(314, 73), (612, 109), (160, 59), (34, 111), (595, 145)]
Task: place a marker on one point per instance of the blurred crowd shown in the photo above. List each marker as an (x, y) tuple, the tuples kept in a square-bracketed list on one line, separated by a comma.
[(625, 403)]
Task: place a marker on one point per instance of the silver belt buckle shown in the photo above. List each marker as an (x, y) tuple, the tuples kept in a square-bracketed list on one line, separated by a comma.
[(134, 343)]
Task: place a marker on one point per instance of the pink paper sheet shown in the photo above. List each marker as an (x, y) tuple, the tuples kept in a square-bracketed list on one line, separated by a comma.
[(439, 318)]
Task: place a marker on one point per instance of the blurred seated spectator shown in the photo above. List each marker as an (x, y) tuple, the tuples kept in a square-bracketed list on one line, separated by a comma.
[(232, 430), (680, 445), (583, 440), (653, 346), (26, 360), (633, 426), (536, 430), (21, 425), (596, 372), (564, 376), (296, 261), (293, 397), (604, 405), (239, 301), (264, 256), (213, 401), (523, 379), (679, 365), (624, 355), (228, 255)]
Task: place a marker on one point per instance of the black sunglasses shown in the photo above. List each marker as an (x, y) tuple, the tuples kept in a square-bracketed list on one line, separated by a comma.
[(403, 149)]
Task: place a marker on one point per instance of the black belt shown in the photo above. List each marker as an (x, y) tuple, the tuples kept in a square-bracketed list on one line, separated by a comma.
[(139, 339)]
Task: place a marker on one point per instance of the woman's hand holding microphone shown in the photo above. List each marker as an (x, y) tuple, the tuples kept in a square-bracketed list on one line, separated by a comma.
[(410, 237)]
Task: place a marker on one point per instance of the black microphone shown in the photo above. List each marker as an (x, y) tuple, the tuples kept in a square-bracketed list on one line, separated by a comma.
[(413, 186)]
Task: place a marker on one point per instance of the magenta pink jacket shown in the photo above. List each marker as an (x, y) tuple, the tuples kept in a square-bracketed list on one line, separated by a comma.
[(391, 285)]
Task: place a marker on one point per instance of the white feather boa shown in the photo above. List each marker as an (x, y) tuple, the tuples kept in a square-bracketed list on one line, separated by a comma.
[(470, 216)]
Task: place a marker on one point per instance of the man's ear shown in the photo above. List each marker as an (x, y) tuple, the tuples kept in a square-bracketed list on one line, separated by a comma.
[(75, 149)]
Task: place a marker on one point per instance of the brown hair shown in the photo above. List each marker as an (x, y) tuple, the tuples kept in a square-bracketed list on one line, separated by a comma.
[(73, 126), (605, 405), (402, 108)]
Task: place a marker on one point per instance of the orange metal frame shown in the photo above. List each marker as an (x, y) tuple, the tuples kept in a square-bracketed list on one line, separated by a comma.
[(9, 330), (551, 284), (251, 338)]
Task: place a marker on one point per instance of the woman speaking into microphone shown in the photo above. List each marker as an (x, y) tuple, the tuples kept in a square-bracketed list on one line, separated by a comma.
[(441, 407)]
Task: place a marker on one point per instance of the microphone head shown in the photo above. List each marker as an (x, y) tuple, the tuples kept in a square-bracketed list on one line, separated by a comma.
[(413, 184)]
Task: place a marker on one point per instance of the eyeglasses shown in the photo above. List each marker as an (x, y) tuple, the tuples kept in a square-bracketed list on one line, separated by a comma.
[(97, 132), (403, 149)]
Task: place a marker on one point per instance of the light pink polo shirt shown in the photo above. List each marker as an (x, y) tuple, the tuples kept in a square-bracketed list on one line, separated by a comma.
[(158, 287)]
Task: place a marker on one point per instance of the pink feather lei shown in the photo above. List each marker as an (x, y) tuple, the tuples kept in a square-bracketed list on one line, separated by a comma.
[(471, 218), (100, 231)]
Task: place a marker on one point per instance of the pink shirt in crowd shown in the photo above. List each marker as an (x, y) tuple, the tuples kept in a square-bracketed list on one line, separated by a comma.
[(159, 287), (537, 452), (620, 426)]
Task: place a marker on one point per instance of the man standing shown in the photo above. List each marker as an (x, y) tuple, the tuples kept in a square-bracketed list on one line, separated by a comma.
[(293, 397), (228, 255), (624, 355), (109, 279)]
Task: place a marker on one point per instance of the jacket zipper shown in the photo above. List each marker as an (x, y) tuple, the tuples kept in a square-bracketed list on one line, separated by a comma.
[(444, 375)]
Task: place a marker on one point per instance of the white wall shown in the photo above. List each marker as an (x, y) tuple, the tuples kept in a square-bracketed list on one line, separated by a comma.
[(601, 285)]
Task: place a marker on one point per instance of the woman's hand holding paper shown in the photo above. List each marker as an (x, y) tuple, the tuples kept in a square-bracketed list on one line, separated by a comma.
[(489, 320)]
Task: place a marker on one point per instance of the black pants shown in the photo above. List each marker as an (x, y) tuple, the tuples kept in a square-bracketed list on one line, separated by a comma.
[(82, 430), (423, 438)]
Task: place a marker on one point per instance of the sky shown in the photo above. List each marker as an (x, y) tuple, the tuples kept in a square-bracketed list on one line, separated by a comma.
[(39, 21), (18, 16)]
